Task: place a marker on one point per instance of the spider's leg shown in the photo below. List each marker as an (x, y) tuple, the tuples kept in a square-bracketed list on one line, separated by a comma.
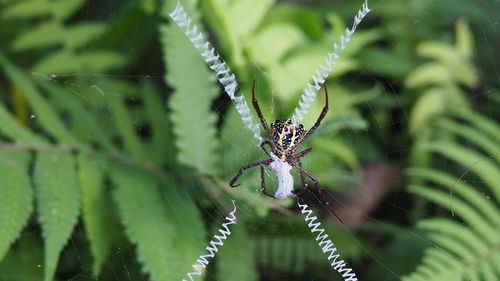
[(301, 154), (320, 190), (264, 162), (316, 125), (263, 182), (305, 186), (264, 149), (259, 113)]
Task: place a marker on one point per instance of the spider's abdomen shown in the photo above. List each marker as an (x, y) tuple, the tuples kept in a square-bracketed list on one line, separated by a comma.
[(285, 135)]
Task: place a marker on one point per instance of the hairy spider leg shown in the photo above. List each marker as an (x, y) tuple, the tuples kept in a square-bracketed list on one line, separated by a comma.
[(264, 149), (302, 154), (320, 191), (305, 186), (264, 162), (297, 157), (263, 182), (315, 126), (261, 117)]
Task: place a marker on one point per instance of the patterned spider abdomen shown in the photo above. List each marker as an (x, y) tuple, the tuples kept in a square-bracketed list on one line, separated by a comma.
[(285, 135)]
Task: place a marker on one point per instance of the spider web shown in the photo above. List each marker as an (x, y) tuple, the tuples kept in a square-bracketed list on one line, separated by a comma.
[(371, 197)]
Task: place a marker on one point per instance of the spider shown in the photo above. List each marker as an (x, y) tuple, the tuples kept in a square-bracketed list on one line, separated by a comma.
[(284, 139)]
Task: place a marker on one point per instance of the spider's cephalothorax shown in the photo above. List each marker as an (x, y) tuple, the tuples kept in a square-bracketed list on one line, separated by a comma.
[(285, 135), (284, 138)]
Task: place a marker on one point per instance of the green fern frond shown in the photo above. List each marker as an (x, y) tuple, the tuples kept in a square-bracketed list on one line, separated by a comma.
[(62, 10), (58, 200), (194, 89), (488, 126), (165, 245), (27, 9), (162, 141), (469, 250), (466, 191), (44, 112), (473, 135), (43, 36), (122, 119), (16, 196), (84, 126), (95, 213), (480, 164), (16, 132)]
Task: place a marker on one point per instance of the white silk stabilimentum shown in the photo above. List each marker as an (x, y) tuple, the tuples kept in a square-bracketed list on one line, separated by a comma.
[(213, 247), (326, 244), (285, 180), (311, 91), (216, 63)]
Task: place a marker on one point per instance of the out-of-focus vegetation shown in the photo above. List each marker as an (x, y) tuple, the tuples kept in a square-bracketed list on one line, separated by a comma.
[(117, 143)]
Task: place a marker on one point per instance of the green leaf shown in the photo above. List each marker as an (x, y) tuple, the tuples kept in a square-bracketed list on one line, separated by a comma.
[(300, 16), (43, 36), (216, 15), (487, 125), (473, 135), (141, 27), (243, 16), (291, 76), (162, 143), (16, 196), (194, 123), (428, 106), (464, 42), (101, 61), (270, 45), (481, 165), (333, 126), (27, 9), (385, 61), (429, 74), (125, 126), (85, 125), (63, 9), (79, 35), (90, 61), (237, 260), (166, 229), (469, 238), (57, 62), (95, 210), (338, 149), (14, 130), (58, 200), (468, 192), (466, 212), (44, 112), (460, 68)]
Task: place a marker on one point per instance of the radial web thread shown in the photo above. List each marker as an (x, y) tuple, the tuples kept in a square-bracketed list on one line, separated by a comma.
[(213, 247), (226, 78), (311, 90)]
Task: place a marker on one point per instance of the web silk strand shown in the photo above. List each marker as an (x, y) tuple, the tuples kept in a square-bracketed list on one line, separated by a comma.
[(226, 78), (311, 90), (326, 244), (213, 247)]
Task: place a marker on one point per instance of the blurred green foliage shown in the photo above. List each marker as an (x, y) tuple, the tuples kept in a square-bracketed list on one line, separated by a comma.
[(117, 143)]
